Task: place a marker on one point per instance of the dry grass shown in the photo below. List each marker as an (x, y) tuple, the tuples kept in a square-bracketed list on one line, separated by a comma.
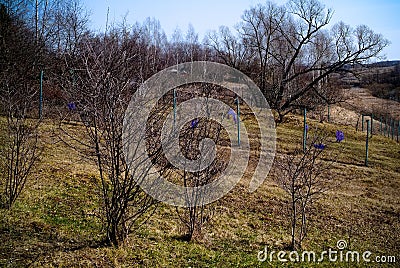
[(53, 224)]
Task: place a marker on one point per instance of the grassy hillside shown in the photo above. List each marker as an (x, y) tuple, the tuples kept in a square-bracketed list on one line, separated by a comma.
[(54, 223)]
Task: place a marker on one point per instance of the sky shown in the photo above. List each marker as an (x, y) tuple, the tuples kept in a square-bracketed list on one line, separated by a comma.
[(380, 15)]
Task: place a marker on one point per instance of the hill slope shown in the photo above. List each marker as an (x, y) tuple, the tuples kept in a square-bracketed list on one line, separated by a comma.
[(54, 223)]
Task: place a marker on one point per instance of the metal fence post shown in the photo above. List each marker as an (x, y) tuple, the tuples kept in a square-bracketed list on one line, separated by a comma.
[(366, 145), (305, 130), (238, 119)]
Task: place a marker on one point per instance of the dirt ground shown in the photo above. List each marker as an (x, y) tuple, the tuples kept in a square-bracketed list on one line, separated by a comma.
[(359, 101)]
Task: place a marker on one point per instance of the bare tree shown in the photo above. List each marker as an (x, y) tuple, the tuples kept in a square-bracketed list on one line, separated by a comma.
[(305, 176), (56, 24), (260, 31), (66, 25), (99, 88), (191, 45), (292, 53), (181, 48), (153, 42), (19, 147), (196, 213), (229, 48)]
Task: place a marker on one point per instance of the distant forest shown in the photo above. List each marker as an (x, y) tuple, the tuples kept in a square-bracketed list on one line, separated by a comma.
[(292, 52), (383, 80)]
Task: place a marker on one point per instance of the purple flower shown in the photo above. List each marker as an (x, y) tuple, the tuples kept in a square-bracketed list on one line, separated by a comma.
[(194, 123), (339, 136), (307, 128), (71, 106), (232, 112), (319, 146)]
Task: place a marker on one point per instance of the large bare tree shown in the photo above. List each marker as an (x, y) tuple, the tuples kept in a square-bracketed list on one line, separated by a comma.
[(294, 53)]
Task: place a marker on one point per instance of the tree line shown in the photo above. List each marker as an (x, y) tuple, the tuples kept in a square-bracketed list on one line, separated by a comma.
[(291, 51)]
